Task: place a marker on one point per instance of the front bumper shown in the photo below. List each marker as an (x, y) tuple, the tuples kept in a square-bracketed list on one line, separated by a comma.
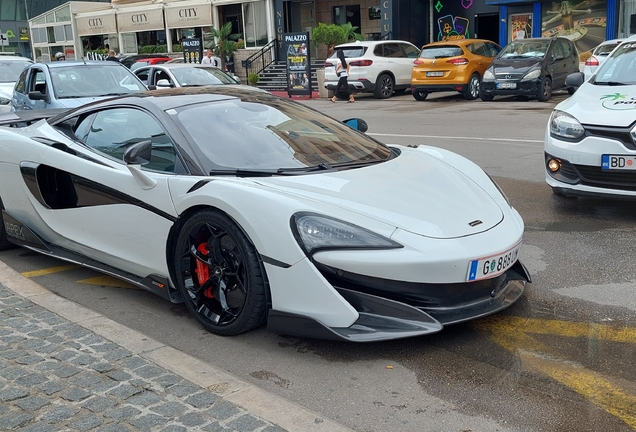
[(524, 88)]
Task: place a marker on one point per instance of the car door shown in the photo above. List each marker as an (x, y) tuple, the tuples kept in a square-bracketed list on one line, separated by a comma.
[(559, 58), (410, 54), (144, 75), (99, 206), (397, 63), (20, 91)]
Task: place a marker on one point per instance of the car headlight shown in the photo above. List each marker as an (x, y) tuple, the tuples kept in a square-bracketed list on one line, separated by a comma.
[(314, 232), (4, 101), (532, 75), (488, 75), (563, 125)]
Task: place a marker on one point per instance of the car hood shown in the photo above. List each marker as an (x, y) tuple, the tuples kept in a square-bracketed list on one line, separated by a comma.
[(604, 105), (516, 65), (415, 192), (6, 89)]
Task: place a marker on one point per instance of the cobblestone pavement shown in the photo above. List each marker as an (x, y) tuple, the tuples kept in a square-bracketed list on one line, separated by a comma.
[(58, 376)]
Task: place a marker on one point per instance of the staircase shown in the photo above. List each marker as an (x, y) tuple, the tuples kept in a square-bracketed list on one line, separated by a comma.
[(274, 77)]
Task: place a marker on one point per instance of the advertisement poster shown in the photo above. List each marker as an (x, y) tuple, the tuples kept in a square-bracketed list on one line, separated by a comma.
[(583, 22), (192, 50), (296, 47), (521, 26)]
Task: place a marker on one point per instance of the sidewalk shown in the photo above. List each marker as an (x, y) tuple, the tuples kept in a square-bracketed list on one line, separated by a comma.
[(65, 367)]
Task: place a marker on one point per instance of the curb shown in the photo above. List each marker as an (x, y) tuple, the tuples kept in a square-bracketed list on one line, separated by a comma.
[(265, 405)]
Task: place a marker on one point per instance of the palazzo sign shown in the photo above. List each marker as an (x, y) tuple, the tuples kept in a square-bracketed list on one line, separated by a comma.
[(190, 16), (192, 50), (151, 19), (296, 46)]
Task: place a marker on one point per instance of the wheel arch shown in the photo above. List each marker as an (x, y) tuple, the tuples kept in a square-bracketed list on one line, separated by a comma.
[(385, 72), (175, 295)]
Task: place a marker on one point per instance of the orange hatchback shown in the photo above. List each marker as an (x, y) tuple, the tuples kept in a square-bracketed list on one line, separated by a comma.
[(456, 65)]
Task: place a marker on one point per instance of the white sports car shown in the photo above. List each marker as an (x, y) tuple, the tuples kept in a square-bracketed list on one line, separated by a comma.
[(252, 208)]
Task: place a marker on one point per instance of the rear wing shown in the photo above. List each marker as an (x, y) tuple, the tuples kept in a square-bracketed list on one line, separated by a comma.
[(25, 118)]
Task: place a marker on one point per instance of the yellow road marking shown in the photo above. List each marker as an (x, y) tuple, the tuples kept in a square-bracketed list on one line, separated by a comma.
[(514, 334), (49, 270), (107, 281)]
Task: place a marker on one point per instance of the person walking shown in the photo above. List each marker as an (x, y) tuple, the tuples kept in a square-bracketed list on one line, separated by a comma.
[(111, 56), (60, 56), (342, 72)]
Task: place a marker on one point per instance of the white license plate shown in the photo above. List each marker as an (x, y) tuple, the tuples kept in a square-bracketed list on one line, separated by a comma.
[(434, 73), (507, 85), (618, 162), (493, 265)]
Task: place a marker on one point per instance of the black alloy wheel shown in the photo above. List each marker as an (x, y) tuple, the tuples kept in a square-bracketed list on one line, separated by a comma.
[(472, 91), (219, 274), (544, 93), (420, 95), (384, 87)]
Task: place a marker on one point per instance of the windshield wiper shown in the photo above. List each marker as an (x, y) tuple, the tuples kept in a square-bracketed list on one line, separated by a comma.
[(611, 83), (241, 172)]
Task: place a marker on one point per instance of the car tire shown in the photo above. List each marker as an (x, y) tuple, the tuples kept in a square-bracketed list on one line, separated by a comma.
[(486, 97), (220, 275), (472, 89), (4, 242), (420, 95), (384, 86), (544, 92), (571, 90)]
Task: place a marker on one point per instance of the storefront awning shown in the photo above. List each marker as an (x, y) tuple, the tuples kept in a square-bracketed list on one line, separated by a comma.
[(131, 20), (96, 23), (188, 14)]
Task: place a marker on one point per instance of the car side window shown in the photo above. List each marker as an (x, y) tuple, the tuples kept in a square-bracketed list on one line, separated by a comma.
[(20, 86), (392, 50), (566, 49), (478, 48), (410, 51), (38, 81), (142, 74), (111, 132), (493, 49)]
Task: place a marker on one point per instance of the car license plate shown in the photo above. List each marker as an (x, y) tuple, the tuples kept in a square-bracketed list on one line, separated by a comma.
[(618, 162), (434, 73), (507, 85), (493, 265)]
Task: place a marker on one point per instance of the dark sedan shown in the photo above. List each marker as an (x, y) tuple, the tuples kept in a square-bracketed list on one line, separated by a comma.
[(530, 67)]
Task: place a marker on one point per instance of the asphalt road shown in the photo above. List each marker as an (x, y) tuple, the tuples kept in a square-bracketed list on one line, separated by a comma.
[(562, 359)]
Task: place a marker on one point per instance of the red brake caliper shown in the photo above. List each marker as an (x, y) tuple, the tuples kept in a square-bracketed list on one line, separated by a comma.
[(203, 271)]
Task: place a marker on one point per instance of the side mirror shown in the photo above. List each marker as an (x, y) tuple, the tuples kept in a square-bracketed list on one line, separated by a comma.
[(575, 79), (151, 87), (163, 83), (36, 95), (357, 124), (138, 153)]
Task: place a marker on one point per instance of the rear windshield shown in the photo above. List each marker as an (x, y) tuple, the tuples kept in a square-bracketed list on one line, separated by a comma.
[(442, 51), (604, 50), (350, 52)]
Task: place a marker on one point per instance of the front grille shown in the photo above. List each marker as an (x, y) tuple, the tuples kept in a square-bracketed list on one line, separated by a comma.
[(616, 133), (508, 76), (595, 176)]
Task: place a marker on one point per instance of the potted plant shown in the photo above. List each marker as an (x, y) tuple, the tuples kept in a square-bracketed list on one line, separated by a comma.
[(328, 34), (252, 79)]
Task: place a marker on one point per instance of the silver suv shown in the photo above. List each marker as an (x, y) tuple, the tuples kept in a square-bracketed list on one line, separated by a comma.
[(381, 67)]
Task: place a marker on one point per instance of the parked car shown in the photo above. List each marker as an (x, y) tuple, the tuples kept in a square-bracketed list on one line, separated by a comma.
[(250, 208), (599, 54), (10, 69), (590, 141), (129, 60), (183, 75), (148, 61), (69, 84), (456, 65), (531, 67), (378, 67)]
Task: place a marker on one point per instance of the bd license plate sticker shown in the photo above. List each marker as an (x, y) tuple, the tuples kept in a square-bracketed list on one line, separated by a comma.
[(493, 265), (618, 162)]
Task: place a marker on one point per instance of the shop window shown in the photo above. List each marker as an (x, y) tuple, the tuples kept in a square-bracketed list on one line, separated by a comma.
[(347, 14), (50, 18), (68, 31), (255, 24), (8, 9), (50, 35), (63, 15), (627, 18), (59, 34)]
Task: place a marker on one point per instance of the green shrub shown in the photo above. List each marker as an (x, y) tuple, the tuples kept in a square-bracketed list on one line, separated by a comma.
[(161, 49), (148, 49), (329, 34), (252, 79), (177, 48)]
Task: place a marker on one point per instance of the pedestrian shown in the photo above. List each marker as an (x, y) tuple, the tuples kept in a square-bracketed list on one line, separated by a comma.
[(60, 56), (111, 56), (207, 58), (342, 72)]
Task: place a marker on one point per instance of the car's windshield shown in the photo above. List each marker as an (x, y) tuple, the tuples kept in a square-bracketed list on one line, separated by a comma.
[(199, 76), (94, 81), (267, 133), (443, 51), (10, 69), (605, 49), (525, 49), (619, 68)]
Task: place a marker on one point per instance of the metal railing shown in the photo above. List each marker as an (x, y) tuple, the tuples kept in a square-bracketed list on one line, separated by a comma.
[(257, 62)]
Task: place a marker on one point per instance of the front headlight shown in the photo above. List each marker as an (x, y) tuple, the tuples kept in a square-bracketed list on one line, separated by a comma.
[(488, 75), (532, 75), (314, 232), (563, 125), (4, 101)]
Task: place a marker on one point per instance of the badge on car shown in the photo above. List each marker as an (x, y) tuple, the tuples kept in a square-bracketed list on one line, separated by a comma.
[(618, 162), (492, 266)]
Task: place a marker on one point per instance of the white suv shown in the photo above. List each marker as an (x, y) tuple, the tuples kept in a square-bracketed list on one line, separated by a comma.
[(10, 69), (381, 67)]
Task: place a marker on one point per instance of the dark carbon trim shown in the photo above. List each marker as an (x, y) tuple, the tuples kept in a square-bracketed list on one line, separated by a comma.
[(274, 262), (199, 185)]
